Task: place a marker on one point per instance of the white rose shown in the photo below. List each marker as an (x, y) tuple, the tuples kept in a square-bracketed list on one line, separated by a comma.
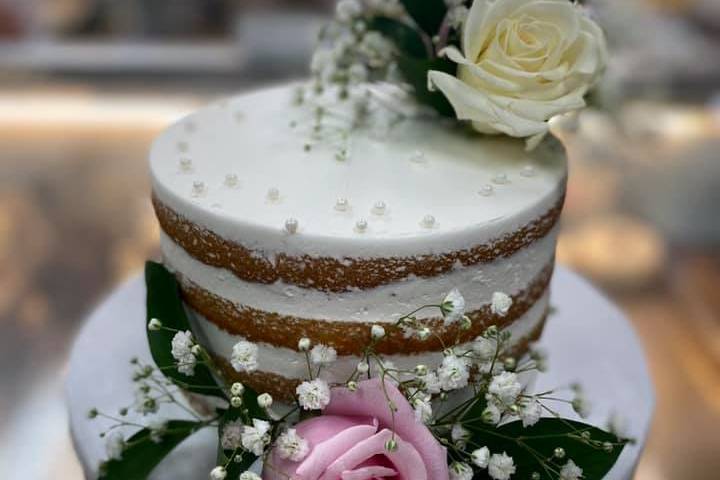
[(523, 62)]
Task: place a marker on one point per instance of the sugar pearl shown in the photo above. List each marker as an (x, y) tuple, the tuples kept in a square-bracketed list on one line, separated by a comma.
[(486, 190), (361, 225), (291, 225), (417, 157), (198, 188), (342, 204), (273, 194), (379, 208), (186, 164), (528, 171), (231, 180), (500, 179), (428, 221)]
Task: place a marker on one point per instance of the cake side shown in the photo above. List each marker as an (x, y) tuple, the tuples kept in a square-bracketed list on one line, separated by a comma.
[(273, 243)]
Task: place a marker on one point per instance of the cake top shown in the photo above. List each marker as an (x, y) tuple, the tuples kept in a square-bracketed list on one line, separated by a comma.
[(250, 170)]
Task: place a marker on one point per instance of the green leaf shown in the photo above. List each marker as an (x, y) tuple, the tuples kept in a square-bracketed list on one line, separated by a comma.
[(164, 303), (428, 14), (142, 454), (543, 438), (416, 71), (406, 38)]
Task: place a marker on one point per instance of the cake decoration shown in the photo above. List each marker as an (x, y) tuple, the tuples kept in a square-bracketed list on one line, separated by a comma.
[(397, 345)]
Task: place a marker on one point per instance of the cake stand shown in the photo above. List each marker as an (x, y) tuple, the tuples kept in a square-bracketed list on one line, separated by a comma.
[(588, 340)]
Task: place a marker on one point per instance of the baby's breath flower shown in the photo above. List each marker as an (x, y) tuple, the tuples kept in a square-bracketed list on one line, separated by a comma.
[(501, 303), (265, 400), (454, 372), (322, 355), (237, 388), (157, 429), (530, 411), (480, 457), (501, 466), (181, 351), (313, 395), (492, 414), (459, 434), (304, 344), (617, 425), (484, 348), (255, 438), (460, 471), (231, 437), (423, 408), (505, 387), (453, 306), (377, 332), (248, 475), (581, 404), (430, 382), (363, 367), (154, 325), (347, 10), (218, 473), (292, 446), (570, 471), (114, 445), (244, 356)]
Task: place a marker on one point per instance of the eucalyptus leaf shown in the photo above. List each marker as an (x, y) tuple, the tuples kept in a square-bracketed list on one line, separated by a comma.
[(529, 445), (143, 453), (415, 71), (428, 14), (407, 40), (164, 303)]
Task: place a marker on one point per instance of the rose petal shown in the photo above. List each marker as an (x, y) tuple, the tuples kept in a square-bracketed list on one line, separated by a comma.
[(326, 453), (368, 473), (405, 458), (369, 399)]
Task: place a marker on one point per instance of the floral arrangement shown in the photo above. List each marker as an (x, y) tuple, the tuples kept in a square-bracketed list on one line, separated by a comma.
[(503, 66), (470, 418)]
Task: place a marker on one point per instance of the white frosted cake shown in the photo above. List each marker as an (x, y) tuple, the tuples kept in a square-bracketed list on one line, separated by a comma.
[(274, 238)]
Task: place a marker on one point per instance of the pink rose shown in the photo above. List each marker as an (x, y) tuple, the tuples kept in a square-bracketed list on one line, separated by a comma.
[(348, 441)]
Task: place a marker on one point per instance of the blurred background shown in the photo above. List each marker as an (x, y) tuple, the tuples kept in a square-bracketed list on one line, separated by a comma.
[(85, 85)]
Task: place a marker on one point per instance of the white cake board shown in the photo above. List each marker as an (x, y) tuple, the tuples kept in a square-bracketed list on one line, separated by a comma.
[(588, 340)]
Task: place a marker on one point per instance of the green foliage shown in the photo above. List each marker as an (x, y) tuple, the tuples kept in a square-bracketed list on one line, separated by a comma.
[(142, 454), (163, 303), (428, 14), (408, 40), (532, 446), (416, 71)]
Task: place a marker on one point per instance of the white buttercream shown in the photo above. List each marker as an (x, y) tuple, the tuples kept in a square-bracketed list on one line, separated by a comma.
[(291, 364), (266, 153), (382, 304)]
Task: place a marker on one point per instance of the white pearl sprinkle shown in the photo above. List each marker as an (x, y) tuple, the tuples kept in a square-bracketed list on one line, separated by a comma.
[(417, 156), (361, 225), (183, 146), (379, 208), (528, 171), (186, 164), (486, 190), (231, 180), (500, 179), (291, 225), (428, 221), (273, 194), (342, 204), (198, 188)]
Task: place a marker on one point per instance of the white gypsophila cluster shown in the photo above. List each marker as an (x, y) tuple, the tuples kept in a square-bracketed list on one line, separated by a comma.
[(459, 435), (145, 403), (530, 411), (580, 403), (182, 344), (457, 15), (322, 355), (430, 382), (256, 437), (492, 414), (314, 394), (484, 348), (501, 303), (460, 471), (114, 445), (453, 306), (218, 473), (244, 356), (454, 372), (386, 8), (617, 424), (423, 407), (570, 471), (291, 446), (504, 388), (248, 475), (480, 457), (231, 437), (348, 10), (501, 466)]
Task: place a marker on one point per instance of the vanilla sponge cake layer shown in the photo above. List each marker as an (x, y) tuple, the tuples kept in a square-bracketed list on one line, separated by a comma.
[(439, 208)]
